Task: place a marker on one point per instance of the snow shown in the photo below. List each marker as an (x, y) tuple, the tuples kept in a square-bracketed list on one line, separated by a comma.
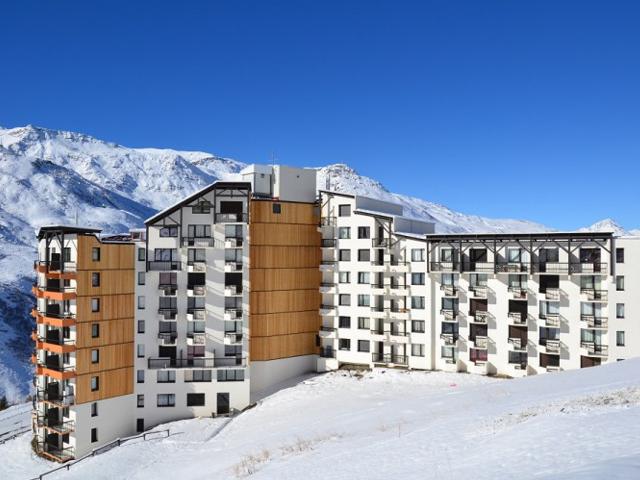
[(396, 424)]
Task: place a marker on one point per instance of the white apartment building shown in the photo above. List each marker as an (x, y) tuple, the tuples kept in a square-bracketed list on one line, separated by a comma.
[(247, 283)]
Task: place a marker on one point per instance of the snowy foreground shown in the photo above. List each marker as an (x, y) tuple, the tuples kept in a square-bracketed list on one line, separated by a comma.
[(393, 424)]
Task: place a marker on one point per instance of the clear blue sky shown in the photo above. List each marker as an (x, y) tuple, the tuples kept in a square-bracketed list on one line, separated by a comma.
[(499, 108)]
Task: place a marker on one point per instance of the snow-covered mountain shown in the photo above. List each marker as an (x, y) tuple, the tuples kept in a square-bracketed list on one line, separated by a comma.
[(50, 176), (609, 225)]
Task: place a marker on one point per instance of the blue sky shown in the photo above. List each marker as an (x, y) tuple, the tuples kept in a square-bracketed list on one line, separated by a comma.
[(498, 108)]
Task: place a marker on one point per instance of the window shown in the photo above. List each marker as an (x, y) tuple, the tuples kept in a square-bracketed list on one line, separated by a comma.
[(344, 344), (94, 435), (95, 330), (95, 304), (95, 279), (140, 376), (141, 302), (140, 401), (199, 231), (169, 232), (364, 232), (139, 425), (417, 254), (417, 279), (619, 255), (94, 409), (344, 299), (417, 350), (514, 255), (417, 303), (142, 254), (95, 356), (166, 376), (344, 233), (95, 254), (140, 350), (619, 310), (620, 338), (363, 323), (166, 255), (344, 322), (141, 278), (446, 255), (363, 278), (277, 209), (166, 400), (344, 255), (95, 384), (198, 375), (230, 375), (202, 206), (200, 255), (448, 353), (363, 345), (620, 283), (197, 399), (417, 326), (364, 255), (66, 254), (344, 277), (344, 210), (364, 300)]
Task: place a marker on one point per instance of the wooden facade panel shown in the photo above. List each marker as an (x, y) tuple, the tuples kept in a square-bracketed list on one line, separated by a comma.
[(283, 346), (112, 383), (110, 357), (302, 213), (110, 332), (284, 279), (112, 255), (284, 234), (285, 257), (112, 282), (111, 307), (284, 301), (271, 324)]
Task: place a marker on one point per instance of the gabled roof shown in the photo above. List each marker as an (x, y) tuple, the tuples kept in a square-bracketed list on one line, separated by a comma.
[(70, 229)]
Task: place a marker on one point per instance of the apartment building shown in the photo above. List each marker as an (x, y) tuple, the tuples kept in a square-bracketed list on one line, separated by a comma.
[(248, 283), (84, 341)]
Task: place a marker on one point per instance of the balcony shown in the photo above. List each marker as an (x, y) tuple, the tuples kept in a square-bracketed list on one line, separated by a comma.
[(60, 455), (233, 242), (163, 266), (389, 358), (328, 332), (397, 313), (168, 338), (479, 316), (196, 266), (450, 315), (327, 265), (397, 289), (232, 313), (328, 243), (449, 290), (168, 313), (589, 268), (327, 222), (478, 267), (55, 397), (552, 294), (168, 289), (480, 342), (449, 338), (233, 290), (443, 266), (551, 320), (230, 217), (555, 268), (518, 293), (518, 344), (61, 427), (327, 287), (512, 267), (198, 242), (196, 338), (232, 338), (327, 353), (327, 310), (478, 291), (595, 349), (380, 242), (196, 290), (593, 295), (156, 363), (379, 289), (552, 346), (233, 266), (396, 336), (55, 344), (517, 318), (595, 321)]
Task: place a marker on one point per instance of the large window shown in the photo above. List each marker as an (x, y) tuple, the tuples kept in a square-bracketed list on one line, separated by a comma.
[(166, 376), (417, 254), (198, 255), (344, 322), (619, 283), (203, 206), (169, 232), (344, 344), (363, 346), (446, 255), (363, 323), (364, 232), (197, 376), (195, 399), (417, 278), (364, 255), (166, 400), (417, 303), (166, 255), (417, 350), (448, 353), (142, 254), (344, 233), (364, 300), (363, 278), (344, 255), (344, 277), (344, 210), (230, 375), (417, 326), (199, 231)]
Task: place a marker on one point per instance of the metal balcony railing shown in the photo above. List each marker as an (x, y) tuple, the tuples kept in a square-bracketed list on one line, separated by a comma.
[(230, 217), (595, 321), (594, 295), (328, 242), (163, 266), (195, 362), (389, 358)]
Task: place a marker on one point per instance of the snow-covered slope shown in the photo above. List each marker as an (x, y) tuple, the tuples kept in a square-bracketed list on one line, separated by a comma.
[(610, 225), (384, 424)]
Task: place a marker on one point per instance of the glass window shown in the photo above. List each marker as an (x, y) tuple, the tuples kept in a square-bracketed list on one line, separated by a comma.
[(417, 350), (95, 304), (95, 383), (199, 231), (95, 279), (364, 255), (140, 401), (94, 435), (344, 233), (142, 254), (417, 326), (363, 278), (140, 350), (364, 300), (140, 326), (140, 376), (619, 310), (446, 254), (141, 278), (417, 303), (166, 376), (344, 255), (363, 323), (166, 400), (344, 277), (344, 344), (344, 210), (95, 356), (202, 206), (277, 208), (417, 278), (230, 375), (169, 231), (198, 375), (95, 330), (344, 322), (344, 299), (95, 254), (620, 338), (141, 302), (619, 255), (514, 255), (417, 254), (363, 345), (364, 232), (620, 283), (448, 352)]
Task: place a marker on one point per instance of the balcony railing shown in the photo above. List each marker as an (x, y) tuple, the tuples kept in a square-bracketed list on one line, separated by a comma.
[(328, 243), (551, 267), (233, 337), (380, 242), (595, 349), (197, 290), (449, 338), (512, 267), (389, 358), (518, 343), (518, 292), (168, 313), (595, 321), (551, 319), (198, 241), (327, 353), (449, 314), (230, 217), (59, 454), (443, 266), (449, 290), (552, 346), (327, 221), (479, 291), (54, 397), (518, 318), (595, 295), (480, 266), (57, 340), (56, 366), (551, 293), (479, 316), (168, 289), (480, 342), (196, 362), (589, 267), (168, 338), (163, 266)]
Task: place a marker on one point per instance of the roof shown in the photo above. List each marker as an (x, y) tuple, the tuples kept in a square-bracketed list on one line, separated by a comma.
[(71, 229), (193, 196), (519, 236)]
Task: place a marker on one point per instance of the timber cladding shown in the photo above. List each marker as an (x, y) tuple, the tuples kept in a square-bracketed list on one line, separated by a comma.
[(114, 318), (284, 276)]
